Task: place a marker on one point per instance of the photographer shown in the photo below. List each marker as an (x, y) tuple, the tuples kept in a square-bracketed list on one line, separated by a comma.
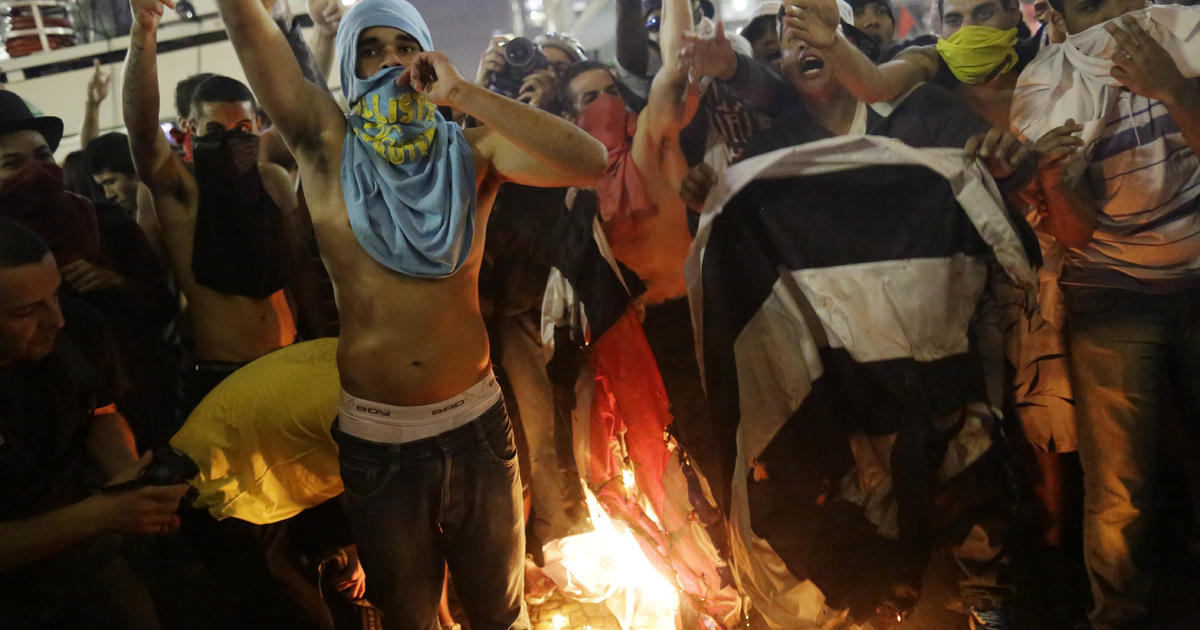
[(60, 564), (528, 71)]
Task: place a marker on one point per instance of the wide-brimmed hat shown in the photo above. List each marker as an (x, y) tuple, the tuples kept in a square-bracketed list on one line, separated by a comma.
[(15, 115)]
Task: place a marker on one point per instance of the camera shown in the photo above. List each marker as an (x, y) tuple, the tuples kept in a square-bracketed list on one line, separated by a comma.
[(169, 467), (522, 58)]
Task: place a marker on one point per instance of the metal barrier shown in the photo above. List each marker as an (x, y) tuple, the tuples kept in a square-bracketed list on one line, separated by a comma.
[(30, 26)]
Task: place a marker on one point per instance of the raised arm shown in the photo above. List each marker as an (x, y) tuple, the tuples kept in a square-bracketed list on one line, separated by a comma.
[(97, 91), (817, 22), (326, 15), (755, 85), (305, 114), (672, 101), (519, 142), (632, 38), (152, 155)]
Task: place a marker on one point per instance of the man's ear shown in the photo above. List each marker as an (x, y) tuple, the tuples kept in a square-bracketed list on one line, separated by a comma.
[(1059, 23)]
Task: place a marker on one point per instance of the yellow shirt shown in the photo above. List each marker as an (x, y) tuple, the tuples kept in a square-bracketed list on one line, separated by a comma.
[(261, 438)]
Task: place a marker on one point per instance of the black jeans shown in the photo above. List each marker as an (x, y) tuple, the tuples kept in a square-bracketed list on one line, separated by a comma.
[(450, 499)]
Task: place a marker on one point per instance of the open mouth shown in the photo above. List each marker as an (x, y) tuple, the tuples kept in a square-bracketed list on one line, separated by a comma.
[(811, 66)]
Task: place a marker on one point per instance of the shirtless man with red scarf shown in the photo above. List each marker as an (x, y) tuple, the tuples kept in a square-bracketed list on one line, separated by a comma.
[(645, 220), (641, 210)]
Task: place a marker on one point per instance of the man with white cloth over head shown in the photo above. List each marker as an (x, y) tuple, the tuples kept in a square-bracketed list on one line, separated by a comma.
[(1116, 110), (400, 199)]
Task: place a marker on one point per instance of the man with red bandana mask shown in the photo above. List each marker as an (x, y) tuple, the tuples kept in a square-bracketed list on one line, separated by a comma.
[(640, 208), (32, 189)]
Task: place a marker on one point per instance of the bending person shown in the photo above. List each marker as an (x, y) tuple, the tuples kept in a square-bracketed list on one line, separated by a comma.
[(400, 200)]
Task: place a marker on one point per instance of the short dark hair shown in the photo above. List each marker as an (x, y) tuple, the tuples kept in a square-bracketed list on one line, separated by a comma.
[(221, 89), (77, 176), (1003, 3), (19, 245), (757, 27), (184, 91), (566, 99), (109, 152)]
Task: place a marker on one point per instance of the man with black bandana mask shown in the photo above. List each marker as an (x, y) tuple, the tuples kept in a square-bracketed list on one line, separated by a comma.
[(226, 219)]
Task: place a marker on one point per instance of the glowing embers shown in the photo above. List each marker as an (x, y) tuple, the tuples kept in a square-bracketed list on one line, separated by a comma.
[(607, 565)]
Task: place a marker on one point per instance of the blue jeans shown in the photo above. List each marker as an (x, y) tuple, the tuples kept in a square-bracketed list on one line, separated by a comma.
[(453, 499), (1132, 356)]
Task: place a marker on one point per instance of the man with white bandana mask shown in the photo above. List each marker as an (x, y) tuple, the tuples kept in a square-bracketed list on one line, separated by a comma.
[(400, 199), (1117, 109)]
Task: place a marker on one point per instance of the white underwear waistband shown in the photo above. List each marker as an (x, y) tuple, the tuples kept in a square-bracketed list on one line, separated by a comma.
[(394, 424)]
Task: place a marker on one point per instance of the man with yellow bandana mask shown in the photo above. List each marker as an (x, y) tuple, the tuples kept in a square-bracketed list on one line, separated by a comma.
[(982, 47)]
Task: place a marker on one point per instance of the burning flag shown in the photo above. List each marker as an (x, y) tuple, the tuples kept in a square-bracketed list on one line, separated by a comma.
[(633, 469)]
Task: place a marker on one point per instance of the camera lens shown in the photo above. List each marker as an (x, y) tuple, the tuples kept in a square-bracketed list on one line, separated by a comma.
[(520, 52)]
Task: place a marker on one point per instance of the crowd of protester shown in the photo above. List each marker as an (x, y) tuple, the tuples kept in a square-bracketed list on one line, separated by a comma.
[(805, 305)]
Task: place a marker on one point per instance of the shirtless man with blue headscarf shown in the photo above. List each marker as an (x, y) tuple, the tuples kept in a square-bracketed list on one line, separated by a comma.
[(400, 199)]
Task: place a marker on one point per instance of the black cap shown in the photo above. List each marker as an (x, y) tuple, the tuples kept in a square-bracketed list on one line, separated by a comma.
[(15, 115)]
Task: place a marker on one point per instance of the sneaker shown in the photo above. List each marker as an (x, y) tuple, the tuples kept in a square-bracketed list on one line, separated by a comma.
[(999, 619)]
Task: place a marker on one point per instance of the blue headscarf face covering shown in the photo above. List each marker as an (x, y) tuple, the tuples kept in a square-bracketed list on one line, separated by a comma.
[(408, 175)]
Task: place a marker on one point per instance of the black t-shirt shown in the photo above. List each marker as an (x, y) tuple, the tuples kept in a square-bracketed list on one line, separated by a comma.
[(45, 413)]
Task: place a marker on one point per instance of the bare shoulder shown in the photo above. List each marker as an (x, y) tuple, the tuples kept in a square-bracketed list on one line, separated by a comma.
[(278, 183)]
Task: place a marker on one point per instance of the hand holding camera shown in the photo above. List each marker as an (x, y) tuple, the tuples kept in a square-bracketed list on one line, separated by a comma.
[(143, 498), (508, 63)]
